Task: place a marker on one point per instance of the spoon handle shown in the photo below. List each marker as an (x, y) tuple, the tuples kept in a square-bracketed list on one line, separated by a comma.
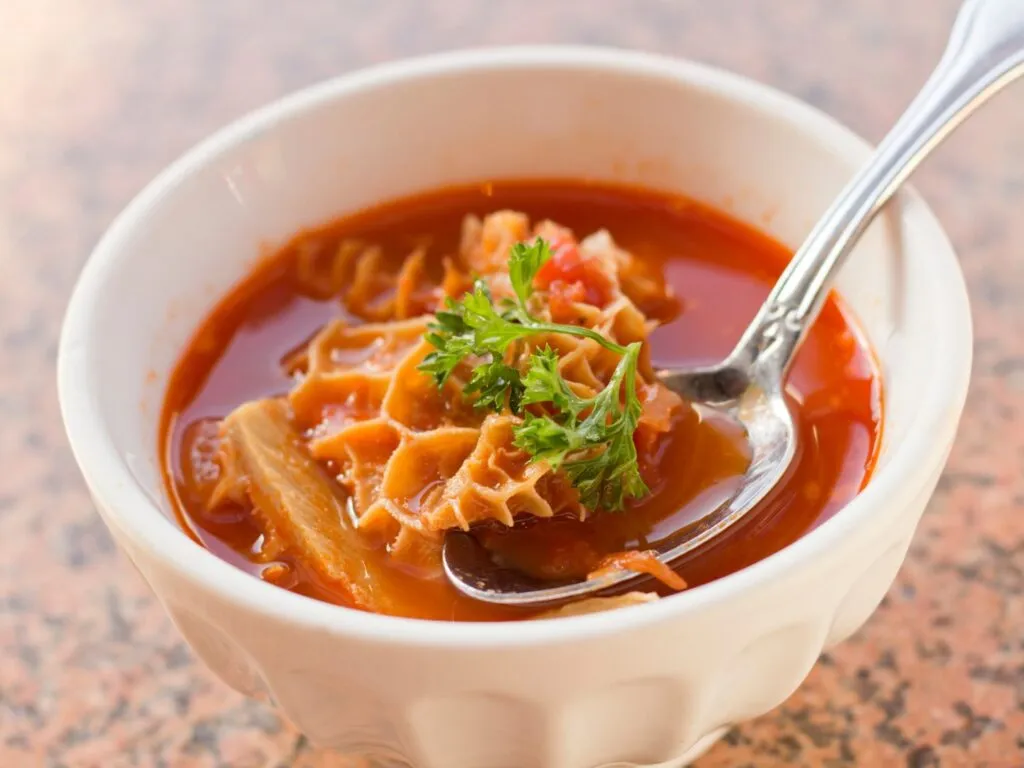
[(985, 52)]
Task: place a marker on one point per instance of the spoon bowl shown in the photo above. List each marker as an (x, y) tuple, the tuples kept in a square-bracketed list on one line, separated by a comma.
[(984, 54)]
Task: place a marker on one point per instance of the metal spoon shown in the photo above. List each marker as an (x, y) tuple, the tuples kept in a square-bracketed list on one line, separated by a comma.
[(985, 52)]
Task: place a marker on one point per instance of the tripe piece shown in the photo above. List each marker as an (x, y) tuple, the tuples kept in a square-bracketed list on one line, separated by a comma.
[(298, 504)]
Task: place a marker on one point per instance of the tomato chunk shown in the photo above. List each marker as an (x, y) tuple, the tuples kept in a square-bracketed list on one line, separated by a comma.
[(570, 267)]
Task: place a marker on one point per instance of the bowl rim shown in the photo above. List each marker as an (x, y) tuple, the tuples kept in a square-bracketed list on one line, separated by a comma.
[(123, 498)]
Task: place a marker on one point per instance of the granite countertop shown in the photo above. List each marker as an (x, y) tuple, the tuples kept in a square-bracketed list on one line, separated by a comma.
[(96, 97)]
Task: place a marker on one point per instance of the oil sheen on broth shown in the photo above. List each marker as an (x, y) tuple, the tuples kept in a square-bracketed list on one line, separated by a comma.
[(720, 271)]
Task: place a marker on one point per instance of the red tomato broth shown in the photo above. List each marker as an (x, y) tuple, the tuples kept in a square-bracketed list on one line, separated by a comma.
[(720, 269)]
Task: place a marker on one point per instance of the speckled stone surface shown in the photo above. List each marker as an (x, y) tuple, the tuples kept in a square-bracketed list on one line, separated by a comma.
[(95, 97)]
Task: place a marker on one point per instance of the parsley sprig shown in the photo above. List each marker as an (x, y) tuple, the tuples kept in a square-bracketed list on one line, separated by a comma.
[(591, 439)]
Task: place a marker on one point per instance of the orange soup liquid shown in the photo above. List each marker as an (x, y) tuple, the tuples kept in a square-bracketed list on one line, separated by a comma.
[(720, 269)]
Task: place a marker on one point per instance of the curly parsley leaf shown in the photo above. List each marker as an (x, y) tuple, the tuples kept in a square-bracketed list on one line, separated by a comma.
[(467, 328), (547, 440), (543, 383), (524, 263), (452, 343), (597, 453), (493, 384)]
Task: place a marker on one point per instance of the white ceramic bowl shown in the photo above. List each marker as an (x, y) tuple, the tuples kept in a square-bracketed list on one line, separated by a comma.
[(648, 685)]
